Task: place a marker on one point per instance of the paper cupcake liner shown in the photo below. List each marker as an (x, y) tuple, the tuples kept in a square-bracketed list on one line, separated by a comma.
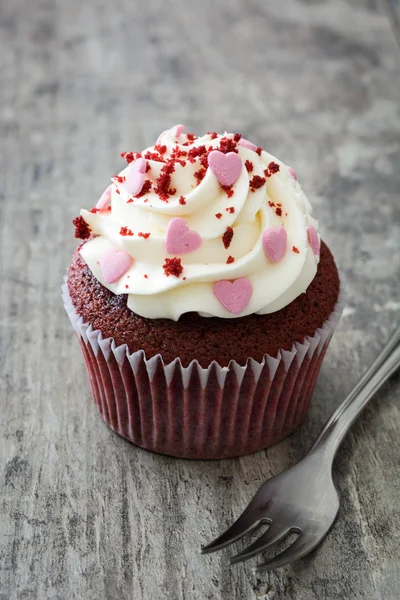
[(193, 412)]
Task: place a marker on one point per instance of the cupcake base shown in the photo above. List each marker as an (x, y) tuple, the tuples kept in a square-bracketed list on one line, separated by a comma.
[(196, 412), (205, 339)]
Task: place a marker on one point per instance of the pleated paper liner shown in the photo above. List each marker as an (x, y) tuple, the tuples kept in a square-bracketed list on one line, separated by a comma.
[(193, 412)]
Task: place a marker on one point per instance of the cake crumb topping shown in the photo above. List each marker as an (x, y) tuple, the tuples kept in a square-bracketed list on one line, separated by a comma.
[(173, 266), (82, 229), (227, 237), (249, 166), (256, 182), (125, 231)]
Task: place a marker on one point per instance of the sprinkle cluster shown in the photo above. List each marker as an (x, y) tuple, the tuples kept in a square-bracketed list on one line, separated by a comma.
[(224, 163)]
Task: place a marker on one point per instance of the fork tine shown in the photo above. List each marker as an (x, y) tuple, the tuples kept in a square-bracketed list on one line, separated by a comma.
[(248, 520), (300, 547), (273, 535)]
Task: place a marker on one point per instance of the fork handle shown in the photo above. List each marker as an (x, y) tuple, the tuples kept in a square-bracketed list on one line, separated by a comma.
[(342, 419)]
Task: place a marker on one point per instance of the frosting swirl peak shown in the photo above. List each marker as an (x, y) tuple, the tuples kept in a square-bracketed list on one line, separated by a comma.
[(212, 224)]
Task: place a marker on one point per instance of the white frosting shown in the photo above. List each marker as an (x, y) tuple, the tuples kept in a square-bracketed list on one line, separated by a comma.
[(274, 285)]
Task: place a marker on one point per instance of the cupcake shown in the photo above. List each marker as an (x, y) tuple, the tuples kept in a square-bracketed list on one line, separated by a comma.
[(202, 297)]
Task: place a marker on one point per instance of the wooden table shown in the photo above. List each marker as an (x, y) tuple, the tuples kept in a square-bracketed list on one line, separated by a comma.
[(86, 515)]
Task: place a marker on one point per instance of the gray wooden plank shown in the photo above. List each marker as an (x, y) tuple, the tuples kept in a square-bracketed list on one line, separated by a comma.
[(84, 513)]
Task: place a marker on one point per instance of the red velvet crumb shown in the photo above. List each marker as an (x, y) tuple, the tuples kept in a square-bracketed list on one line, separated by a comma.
[(296, 250), (214, 135), (227, 237), (256, 182), (249, 166), (278, 211), (230, 260), (128, 156), (200, 174), (145, 276), (196, 151), (227, 145), (119, 178), (259, 150), (144, 235), (204, 159), (218, 215), (228, 189), (172, 266), (273, 167), (237, 137), (153, 156), (177, 153), (82, 229), (230, 209), (125, 231), (131, 156), (160, 149), (182, 200), (145, 189), (163, 182)]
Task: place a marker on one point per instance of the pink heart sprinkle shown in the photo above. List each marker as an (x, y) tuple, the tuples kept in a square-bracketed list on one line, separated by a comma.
[(292, 173), (134, 181), (180, 239), (234, 295), (178, 130), (160, 137), (274, 241), (105, 198), (140, 165), (313, 239), (246, 144), (226, 167), (114, 264)]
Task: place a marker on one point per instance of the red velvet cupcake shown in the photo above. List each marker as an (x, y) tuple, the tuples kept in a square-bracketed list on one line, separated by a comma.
[(202, 297)]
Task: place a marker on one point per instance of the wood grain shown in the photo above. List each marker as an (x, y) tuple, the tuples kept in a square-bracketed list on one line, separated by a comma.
[(85, 515)]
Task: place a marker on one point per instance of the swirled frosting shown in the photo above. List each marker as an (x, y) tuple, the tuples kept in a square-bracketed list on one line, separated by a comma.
[(211, 224)]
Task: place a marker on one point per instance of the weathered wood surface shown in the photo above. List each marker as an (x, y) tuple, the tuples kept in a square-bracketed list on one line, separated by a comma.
[(84, 514)]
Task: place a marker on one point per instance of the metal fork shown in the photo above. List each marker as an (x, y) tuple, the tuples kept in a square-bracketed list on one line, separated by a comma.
[(304, 499)]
